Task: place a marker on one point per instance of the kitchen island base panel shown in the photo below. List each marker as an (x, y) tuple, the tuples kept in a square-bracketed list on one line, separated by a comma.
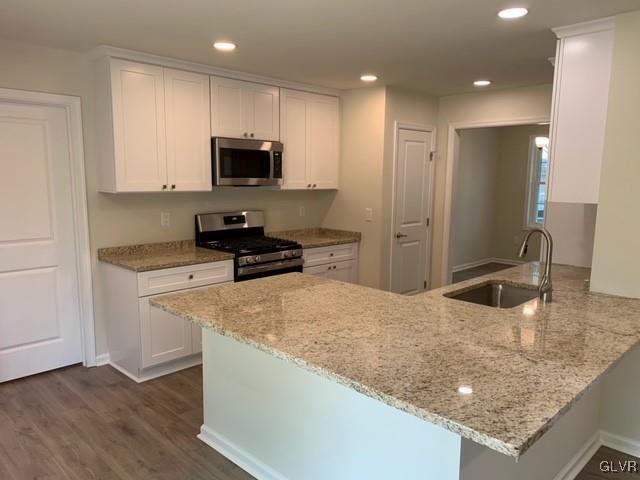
[(280, 422), (559, 454)]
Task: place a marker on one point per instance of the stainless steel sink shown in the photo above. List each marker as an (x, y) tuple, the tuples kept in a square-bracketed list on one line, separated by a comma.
[(496, 294)]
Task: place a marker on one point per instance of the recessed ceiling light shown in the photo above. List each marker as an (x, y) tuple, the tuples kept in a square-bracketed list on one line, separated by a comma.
[(368, 78), (510, 13), (465, 390), (482, 83), (224, 46)]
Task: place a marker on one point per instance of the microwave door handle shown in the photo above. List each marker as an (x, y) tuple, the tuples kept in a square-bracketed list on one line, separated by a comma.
[(271, 165)]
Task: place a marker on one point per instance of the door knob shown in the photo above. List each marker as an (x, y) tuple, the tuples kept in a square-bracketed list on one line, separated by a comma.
[(164, 187), (401, 235), (246, 134), (314, 185), (251, 135), (173, 187)]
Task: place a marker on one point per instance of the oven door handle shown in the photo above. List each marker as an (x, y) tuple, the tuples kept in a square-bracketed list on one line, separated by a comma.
[(267, 267)]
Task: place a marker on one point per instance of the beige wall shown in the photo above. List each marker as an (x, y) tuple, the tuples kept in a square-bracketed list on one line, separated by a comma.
[(361, 167), (616, 261), (366, 169), (133, 218), (405, 107), (490, 190), (513, 174), (474, 196), (493, 106)]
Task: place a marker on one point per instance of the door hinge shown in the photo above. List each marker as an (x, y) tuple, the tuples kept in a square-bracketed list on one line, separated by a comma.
[(428, 221), (432, 155), (425, 284)]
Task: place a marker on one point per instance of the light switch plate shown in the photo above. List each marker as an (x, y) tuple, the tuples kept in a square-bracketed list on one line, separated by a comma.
[(368, 214), (165, 219)]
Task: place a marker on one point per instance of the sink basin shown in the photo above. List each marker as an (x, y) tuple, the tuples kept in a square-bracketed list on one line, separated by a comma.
[(496, 294)]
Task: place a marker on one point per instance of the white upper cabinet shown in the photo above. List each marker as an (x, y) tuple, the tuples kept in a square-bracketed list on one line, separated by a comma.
[(580, 93), (244, 110), (139, 130), (310, 132), (159, 119), (188, 126)]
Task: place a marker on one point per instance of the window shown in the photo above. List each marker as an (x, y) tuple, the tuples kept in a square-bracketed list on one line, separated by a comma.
[(537, 182)]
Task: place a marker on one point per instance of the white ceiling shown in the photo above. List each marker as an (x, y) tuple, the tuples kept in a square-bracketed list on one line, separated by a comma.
[(436, 46)]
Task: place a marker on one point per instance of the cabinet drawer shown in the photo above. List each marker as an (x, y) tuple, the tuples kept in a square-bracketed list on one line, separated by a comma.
[(334, 253), (179, 278)]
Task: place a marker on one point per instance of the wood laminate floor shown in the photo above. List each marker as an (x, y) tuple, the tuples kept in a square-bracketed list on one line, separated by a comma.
[(81, 424), (595, 470)]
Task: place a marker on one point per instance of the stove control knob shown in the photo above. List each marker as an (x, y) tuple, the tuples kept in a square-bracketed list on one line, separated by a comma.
[(250, 260), (256, 259), (287, 254)]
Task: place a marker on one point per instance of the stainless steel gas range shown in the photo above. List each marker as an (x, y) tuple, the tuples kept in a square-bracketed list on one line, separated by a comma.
[(242, 233)]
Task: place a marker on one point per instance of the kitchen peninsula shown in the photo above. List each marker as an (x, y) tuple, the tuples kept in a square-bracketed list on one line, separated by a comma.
[(308, 378)]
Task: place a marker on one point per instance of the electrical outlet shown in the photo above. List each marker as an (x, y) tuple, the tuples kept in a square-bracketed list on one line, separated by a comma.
[(165, 219), (301, 211), (368, 214)]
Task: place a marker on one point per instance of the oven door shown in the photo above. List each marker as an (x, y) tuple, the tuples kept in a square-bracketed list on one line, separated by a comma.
[(268, 269), (246, 162)]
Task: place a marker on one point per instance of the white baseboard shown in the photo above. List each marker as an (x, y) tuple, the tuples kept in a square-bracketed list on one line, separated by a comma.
[(102, 360), (580, 459), (620, 443), (485, 261), (601, 438), (232, 452), (160, 370)]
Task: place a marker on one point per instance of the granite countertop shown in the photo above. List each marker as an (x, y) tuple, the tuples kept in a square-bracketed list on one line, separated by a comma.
[(526, 365), (318, 237), (156, 256)]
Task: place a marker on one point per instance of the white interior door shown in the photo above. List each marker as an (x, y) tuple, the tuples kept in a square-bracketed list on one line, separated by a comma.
[(39, 307), (410, 242)]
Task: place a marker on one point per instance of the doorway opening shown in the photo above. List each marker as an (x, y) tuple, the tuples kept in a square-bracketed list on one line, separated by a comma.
[(498, 190)]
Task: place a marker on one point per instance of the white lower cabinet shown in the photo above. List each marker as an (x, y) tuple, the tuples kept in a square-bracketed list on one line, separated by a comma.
[(337, 262), (144, 341), (164, 337)]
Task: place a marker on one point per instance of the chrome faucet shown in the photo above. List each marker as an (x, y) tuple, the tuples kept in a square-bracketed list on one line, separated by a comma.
[(544, 286)]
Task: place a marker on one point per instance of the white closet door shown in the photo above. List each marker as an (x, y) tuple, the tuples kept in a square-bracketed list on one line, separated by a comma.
[(39, 308), (188, 130)]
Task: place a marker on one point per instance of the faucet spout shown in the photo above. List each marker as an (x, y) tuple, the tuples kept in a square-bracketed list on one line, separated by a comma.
[(544, 286)]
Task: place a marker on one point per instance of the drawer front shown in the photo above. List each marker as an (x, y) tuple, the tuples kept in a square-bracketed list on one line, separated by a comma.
[(334, 253), (179, 278)]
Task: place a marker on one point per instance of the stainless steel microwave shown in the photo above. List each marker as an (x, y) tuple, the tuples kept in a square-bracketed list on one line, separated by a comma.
[(241, 162)]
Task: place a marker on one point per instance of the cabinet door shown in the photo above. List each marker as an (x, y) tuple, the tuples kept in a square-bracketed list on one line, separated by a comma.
[(581, 94), (262, 111), (188, 130), (344, 271), (137, 95), (319, 271), (227, 109), (295, 135), (324, 147), (164, 336)]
